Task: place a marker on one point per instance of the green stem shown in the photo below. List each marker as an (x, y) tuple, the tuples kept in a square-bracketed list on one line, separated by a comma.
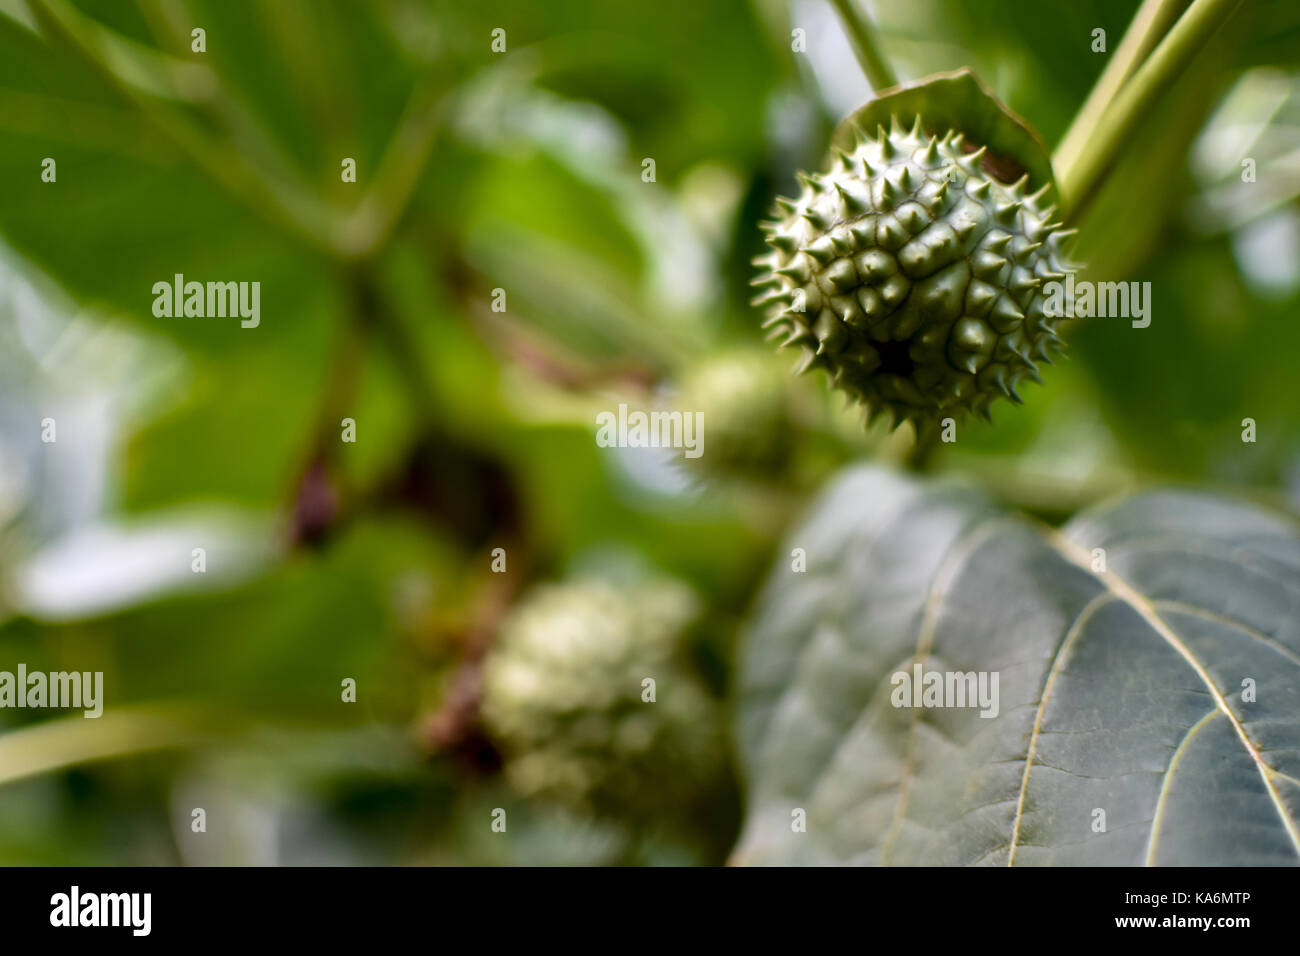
[(284, 204), (373, 310), (920, 456), (368, 227), (342, 377), (862, 36), (1080, 177), (125, 731), (1150, 23)]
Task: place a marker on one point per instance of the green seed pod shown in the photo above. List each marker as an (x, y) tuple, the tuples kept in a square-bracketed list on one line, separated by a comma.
[(564, 694), (745, 401), (913, 277)]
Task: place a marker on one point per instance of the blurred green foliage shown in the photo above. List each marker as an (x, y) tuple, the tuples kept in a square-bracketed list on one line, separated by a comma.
[(479, 171)]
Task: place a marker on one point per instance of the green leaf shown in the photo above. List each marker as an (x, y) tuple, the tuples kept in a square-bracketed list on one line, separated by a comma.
[(958, 101), (1119, 691)]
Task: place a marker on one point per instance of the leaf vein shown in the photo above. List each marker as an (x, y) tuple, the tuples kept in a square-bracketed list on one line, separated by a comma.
[(1075, 629), (1169, 776), (1124, 591)]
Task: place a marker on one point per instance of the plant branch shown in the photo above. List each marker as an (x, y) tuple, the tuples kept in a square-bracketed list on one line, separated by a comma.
[(282, 203), (342, 379), (920, 456), (1150, 24), (367, 227), (1079, 180), (862, 37), (372, 310), (170, 24), (125, 732)]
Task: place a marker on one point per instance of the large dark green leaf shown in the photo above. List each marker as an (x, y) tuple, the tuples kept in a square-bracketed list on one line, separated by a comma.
[(1121, 690)]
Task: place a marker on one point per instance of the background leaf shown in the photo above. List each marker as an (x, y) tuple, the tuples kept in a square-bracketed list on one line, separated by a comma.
[(475, 428)]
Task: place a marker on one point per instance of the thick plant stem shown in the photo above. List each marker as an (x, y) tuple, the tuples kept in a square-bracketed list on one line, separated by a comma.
[(862, 36), (1079, 178), (921, 455), (373, 310), (1150, 24)]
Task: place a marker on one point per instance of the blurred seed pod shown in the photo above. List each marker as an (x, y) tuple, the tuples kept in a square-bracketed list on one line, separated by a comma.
[(745, 400), (565, 693)]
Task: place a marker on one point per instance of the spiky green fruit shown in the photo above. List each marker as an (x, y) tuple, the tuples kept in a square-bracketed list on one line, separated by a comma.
[(914, 277), (564, 693), (745, 400)]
